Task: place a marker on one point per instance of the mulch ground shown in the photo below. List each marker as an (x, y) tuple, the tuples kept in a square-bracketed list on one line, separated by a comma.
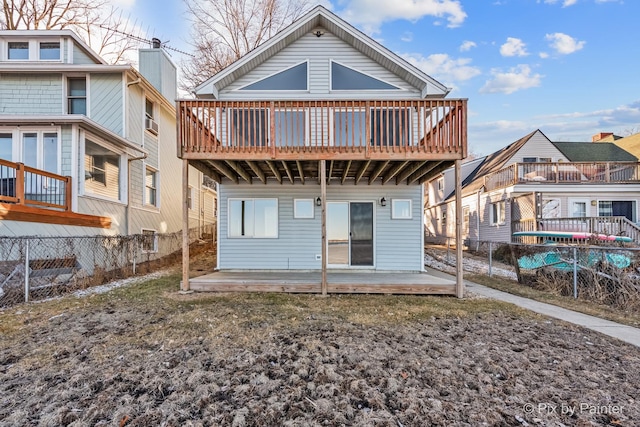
[(147, 356)]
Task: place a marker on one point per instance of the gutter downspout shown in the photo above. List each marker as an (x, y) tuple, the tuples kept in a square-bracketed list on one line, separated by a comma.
[(128, 209)]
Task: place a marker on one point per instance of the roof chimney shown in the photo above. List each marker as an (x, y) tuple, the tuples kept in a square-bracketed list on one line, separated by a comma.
[(600, 136), (155, 43)]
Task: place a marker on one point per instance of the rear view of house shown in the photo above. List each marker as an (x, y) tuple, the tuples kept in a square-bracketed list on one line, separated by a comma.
[(321, 140)]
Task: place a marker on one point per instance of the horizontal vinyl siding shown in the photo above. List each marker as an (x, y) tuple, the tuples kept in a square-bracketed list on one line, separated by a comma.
[(397, 242), (319, 51), (20, 228), (30, 94)]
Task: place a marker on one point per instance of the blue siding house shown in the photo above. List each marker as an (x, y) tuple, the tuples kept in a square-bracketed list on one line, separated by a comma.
[(321, 140)]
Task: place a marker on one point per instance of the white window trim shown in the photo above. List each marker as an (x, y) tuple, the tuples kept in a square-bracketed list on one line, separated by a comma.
[(331, 89), (155, 241), (65, 88), (229, 236), (502, 204), (570, 203), (34, 49), (40, 131), (144, 186), (295, 209), (122, 179), (394, 213), (242, 88)]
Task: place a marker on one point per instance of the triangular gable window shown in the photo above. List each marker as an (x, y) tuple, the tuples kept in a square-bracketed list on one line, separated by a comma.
[(294, 78), (345, 78)]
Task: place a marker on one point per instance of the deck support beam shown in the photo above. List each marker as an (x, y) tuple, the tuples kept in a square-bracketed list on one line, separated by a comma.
[(459, 263), (362, 170), (330, 172), (274, 170), (185, 226), (300, 171), (345, 172), (239, 170), (224, 169), (256, 169), (394, 171), (408, 171), (323, 197), (376, 173), (287, 169)]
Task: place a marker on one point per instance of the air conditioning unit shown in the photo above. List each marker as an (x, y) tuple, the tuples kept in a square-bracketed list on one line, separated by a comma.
[(151, 126)]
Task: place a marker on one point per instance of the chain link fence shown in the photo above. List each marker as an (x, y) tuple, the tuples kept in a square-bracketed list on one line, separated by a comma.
[(607, 275), (37, 268)]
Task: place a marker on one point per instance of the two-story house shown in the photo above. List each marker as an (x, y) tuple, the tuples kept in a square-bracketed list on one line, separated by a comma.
[(321, 140), (88, 148), (535, 184)]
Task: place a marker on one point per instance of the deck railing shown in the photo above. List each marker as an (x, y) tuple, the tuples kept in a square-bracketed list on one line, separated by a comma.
[(611, 225), (564, 172), (24, 185), (219, 128)]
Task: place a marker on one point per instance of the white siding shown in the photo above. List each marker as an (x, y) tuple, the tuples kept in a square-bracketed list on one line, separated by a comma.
[(397, 242), (537, 146), (319, 51)]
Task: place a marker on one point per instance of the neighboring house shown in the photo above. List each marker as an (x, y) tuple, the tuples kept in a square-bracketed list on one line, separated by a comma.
[(535, 184), (88, 148), (321, 120), (630, 143)]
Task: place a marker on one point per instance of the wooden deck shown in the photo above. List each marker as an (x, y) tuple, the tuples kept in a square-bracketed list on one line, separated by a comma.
[(338, 282)]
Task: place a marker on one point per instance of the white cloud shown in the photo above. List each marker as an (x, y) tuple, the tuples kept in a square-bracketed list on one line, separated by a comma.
[(563, 43), (517, 78), (513, 47), (543, 55), (443, 68), (467, 45), (565, 3), (407, 36), (372, 13)]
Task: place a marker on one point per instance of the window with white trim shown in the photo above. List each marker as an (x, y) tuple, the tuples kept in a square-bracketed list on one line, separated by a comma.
[(498, 216), (293, 78), (401, 209), (77, 95), (18, 51), (151, 186), (6, 146), (102, 171), (253, 218), (303, 208), (49, 51)]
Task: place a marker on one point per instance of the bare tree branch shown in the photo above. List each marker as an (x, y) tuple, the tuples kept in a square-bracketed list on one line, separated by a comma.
[(224, 30)]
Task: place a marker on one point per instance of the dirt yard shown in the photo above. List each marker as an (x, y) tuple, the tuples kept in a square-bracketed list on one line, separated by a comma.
[(145, 356)]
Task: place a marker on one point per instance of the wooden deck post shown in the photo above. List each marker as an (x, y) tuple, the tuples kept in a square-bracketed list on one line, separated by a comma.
[(323, 197), (459, 265), (185, 226)]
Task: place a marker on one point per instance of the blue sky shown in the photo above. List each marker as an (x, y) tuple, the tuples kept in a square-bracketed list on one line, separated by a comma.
[(566, 67)]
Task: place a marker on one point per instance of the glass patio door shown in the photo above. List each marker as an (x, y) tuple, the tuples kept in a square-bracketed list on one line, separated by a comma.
[(350, 234)]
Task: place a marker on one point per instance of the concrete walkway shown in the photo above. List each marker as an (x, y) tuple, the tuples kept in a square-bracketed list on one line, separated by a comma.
[(616, 330)]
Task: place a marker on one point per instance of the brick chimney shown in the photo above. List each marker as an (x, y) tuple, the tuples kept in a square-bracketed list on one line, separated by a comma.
[(600, 136)]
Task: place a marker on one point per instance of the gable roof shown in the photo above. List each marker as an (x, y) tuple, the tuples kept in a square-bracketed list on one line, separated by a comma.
[(321, 17), (630, 143), (594, 152), (491, 163)]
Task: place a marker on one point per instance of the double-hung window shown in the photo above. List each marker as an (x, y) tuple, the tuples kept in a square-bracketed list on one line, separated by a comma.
[(151, 187), (253, 218), (102, 171), (77, 95), (498, 213)]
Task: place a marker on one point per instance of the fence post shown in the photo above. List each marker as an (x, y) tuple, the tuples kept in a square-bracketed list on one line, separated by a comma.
[(26, 272), (490, 258), (575, 272), (448, 247)]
